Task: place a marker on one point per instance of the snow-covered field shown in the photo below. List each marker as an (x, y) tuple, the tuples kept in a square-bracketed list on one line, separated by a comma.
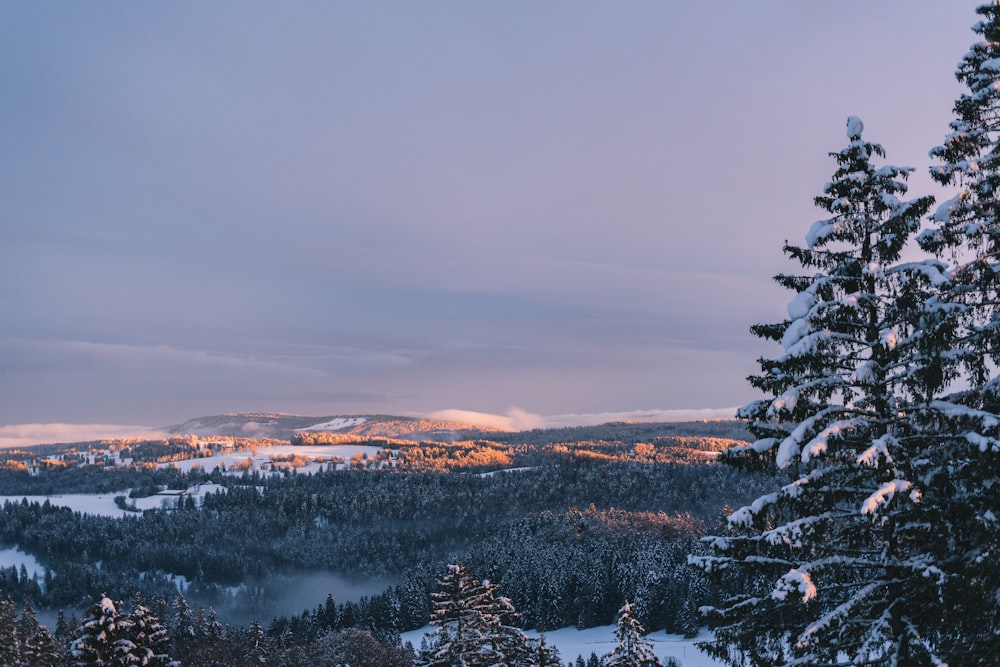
[(601, 640), (335, 424), (103, 504), (15, 557), (260, 458)]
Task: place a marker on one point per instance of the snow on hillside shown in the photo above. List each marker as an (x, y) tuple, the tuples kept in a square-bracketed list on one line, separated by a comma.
[(260, 458), (335, 424), (601, 640)]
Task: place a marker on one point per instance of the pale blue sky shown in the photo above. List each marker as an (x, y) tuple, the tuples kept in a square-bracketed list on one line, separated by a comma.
[(399, 207)]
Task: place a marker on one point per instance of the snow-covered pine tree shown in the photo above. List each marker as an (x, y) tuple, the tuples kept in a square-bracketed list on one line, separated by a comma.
[(840, 554), (966, 231), (38, 645), (10, 640), (632, 650), (149, 637), (99, 638), (256, 649), (474, 625), (544, 655), (184, 630), (63, 628)]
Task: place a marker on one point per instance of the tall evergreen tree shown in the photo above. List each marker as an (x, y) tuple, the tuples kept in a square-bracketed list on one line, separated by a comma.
[(474, 625), (256, 649), (101, 636), (632, 650), (149, 639), (38, 645), (966, 230), (843, 554), (184, 629), (10, 640)]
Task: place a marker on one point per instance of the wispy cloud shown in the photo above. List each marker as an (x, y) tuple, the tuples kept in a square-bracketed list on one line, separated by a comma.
[(516, 419), (591, 419)]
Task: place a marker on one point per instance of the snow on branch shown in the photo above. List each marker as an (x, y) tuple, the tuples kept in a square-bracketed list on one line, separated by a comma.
[(949, 409), (784, 403), (820, 443), (789, 447), (865, 373), (744, 515), (878, 449), (918, 637), (795, 332), (823, 228), (842, 610), (944, 211), (802, 304), (792, 532), (932, 270), (885, 493), (990, 65), (983, 442), (794, 581)]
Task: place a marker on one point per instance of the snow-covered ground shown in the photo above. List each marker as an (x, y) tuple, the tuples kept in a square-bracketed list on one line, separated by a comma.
[(335, 424), (17, 558), (260, 458), (601, 640), (103, 504)]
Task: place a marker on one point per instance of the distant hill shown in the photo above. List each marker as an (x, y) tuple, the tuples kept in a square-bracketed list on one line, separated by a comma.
[(284, 427)]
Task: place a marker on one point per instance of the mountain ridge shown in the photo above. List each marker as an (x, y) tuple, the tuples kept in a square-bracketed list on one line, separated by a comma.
[(285, 426)]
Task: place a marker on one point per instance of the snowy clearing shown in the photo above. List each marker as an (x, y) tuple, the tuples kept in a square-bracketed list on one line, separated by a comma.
[(103, 504), (16, 558), (261, 458), (601, 640), (335, 424)]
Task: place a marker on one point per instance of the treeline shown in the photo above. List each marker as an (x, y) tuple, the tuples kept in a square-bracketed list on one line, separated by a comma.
[(82, 477), (627, 433), (165, 634)]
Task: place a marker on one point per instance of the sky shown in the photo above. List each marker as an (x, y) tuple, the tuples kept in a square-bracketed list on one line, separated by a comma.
[(516, 208)]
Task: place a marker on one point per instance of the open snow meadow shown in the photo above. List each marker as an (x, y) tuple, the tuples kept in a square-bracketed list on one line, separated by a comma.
[(601, 640), (103, 504)]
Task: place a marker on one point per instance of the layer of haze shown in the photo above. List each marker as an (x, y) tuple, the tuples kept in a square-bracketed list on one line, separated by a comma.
[(336, 208)]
